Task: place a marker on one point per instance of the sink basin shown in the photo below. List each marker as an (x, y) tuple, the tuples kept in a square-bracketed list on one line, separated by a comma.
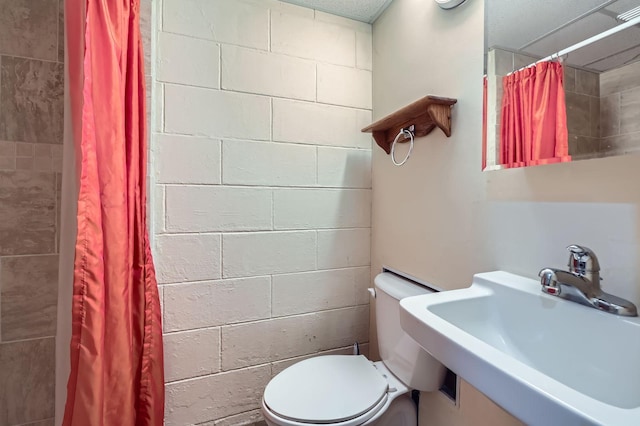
[(546, 360)]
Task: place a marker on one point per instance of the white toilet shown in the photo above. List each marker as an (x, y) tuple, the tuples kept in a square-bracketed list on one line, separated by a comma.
[(348, 390)]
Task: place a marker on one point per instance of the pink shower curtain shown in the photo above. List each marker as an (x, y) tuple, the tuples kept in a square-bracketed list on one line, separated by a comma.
[(533, 122), (116, 346)]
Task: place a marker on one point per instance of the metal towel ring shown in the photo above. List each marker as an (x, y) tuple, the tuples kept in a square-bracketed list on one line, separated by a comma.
[(407, 133)]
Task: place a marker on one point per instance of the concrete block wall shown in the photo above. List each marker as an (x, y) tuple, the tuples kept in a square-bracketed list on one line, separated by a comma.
[(262, 196)]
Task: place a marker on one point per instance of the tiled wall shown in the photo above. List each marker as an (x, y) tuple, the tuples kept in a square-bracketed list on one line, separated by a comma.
[(582, 100), (262, 197), (31, 123), (582, 95), (620, 109)]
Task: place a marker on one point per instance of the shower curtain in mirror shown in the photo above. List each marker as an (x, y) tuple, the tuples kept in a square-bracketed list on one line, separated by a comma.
[(116, 373), (533, 122)]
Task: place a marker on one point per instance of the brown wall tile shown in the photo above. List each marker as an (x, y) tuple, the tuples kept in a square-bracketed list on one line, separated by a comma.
[(28, 156), (630, 111), (610, 115), (29, 28), (7, 163), (27, 377), (61, 31), (43, 164), (620, 110), (594, 119), (583, 146), (24, 163), (47, 422), (29, 296), (31, 111), (31, 100), (7, 149), (573, 144), (569, 79), (27, 212), (620, 79), (621, 144), (587, 83), (24, 149), (578, 114)]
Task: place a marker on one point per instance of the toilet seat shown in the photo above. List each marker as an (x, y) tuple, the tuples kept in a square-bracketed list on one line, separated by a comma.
[(343, 390), (358, 421)]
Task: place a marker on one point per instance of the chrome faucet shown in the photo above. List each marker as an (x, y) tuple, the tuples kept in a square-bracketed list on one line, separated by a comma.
[(581, 283)]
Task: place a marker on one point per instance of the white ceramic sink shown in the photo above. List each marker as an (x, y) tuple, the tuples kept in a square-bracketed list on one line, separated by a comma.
[(546, 360)]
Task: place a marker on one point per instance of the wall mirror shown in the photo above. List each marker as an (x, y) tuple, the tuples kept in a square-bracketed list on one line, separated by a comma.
[(601, 79)]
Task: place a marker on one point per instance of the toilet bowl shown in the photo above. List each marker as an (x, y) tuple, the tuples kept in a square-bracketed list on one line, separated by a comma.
[(350, 390)]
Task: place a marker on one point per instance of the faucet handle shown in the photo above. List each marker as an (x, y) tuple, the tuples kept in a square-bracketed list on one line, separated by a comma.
[(549, 284), (582, 260)]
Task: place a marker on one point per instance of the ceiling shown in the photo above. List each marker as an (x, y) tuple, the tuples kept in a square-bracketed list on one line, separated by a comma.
[(540, 28), (360, 10)]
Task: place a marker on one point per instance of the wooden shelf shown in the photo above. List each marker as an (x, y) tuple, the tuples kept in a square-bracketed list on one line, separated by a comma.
[(425, 114)]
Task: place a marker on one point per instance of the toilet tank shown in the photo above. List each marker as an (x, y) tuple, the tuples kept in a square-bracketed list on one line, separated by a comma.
[(399, 352)]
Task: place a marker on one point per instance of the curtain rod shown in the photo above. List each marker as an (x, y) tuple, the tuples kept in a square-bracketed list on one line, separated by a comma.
[(597, 37)]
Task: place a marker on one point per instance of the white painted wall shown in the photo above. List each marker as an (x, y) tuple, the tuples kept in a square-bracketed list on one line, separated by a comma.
[(262, 196), (441, 219)]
